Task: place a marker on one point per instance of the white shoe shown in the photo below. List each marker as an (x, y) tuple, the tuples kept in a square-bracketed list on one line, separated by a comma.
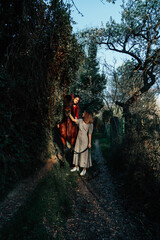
[(83, 172), (75, 169)]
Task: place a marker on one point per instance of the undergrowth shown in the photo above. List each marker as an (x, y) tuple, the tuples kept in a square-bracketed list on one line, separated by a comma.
[(137, 183), (47, 209)]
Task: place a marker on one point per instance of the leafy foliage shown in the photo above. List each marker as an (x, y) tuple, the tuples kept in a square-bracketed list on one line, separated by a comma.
[(39, 60), (138, 37), (133, 88), (90, 82)]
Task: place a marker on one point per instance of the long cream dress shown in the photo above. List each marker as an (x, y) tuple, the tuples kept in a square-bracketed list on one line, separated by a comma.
[(83, 159)]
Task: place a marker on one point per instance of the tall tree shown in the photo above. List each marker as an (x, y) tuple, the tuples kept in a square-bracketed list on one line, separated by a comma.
[(138, 36), (145, 104), (91, 82)]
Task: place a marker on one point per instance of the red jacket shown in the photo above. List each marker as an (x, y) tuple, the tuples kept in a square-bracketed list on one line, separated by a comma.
[(76, 111)]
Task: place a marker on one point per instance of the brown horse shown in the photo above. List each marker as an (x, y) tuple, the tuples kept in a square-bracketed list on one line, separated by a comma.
[(68, 129)]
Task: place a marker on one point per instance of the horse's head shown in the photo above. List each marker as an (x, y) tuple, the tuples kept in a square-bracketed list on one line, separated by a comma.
[(68, 103)]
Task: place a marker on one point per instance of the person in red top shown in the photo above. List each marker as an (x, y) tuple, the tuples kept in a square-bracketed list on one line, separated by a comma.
[(75, 109)]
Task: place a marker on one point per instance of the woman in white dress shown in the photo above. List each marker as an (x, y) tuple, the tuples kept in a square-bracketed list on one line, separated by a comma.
[(82, 154)]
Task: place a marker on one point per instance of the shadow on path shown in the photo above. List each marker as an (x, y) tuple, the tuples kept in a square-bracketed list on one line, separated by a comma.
[(98, 212)]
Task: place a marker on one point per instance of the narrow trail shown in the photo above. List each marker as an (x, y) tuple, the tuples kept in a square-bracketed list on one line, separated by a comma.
[(98, 212), (18, 196)]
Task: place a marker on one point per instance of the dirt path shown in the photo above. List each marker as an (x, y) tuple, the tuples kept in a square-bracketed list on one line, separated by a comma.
[(18, 196), (99, 213)]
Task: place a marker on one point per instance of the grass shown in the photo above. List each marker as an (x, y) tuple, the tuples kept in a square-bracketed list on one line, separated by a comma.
[(49, 205)]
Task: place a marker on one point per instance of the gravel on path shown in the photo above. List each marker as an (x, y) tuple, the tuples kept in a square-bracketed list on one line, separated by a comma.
[(98, 212)]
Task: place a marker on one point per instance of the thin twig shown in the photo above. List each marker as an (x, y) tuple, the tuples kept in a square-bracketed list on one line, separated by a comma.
[(77, 8)]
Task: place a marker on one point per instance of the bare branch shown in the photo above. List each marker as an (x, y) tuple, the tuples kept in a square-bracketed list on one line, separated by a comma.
[(77, 8)]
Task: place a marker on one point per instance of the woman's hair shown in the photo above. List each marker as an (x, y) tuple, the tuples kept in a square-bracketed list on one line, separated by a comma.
[(76, 96), (88, 117)]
